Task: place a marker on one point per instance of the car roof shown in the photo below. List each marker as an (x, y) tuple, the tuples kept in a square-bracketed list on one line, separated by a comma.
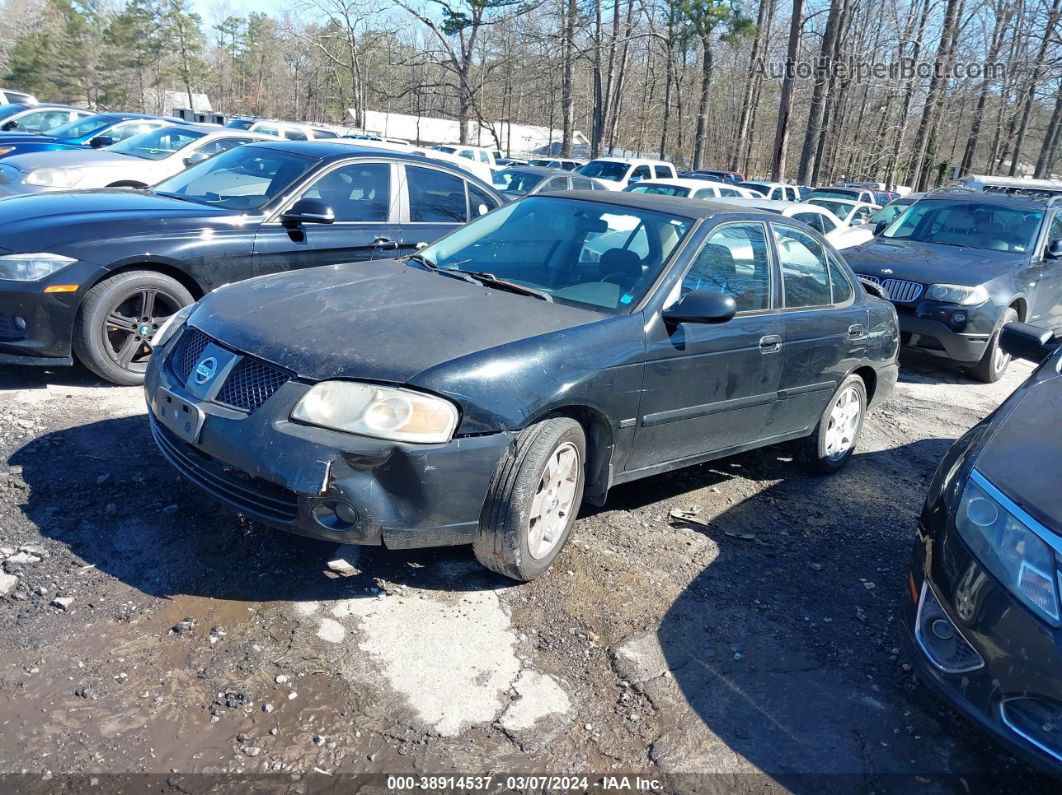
[(688, 208), (543, 170), (631, 160), (988, 197), (332, 148), (683, 182)]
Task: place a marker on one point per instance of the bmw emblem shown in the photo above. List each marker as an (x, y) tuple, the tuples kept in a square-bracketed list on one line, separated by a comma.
[(205, 370)]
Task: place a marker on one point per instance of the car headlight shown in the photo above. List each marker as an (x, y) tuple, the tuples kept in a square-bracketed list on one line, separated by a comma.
[(170, 326), (31, 267), (5, 149), (400, 415), (957, 294), (54, 177), (1008, 545)]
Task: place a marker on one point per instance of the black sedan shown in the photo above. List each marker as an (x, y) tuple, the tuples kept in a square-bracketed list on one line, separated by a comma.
[(94, 273), (984, 619), (476, 391)]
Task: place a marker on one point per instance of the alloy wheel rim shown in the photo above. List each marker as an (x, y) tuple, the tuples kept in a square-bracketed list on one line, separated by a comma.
[(554, 501), (843, 424), (1000, 359), (130, 324)]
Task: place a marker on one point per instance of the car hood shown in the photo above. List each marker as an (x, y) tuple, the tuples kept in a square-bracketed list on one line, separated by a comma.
[(75, 158), (11, 140), (33, 222), (382, 320), (929, 263), (1021, 456)]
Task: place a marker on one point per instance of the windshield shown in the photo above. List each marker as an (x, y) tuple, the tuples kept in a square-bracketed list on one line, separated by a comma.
[(81, 127), (516, 182), (243, 178), (756, 186), (583, 253), (604, 169), (659, 190), (157, 144), (841, 209), (240, 124), (835, 193), (968, 224), (889, 213)]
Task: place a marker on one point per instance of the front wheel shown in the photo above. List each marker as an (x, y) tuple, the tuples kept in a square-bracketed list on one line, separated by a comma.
[(118, 318), (833, 442), (533, 499), (995, 360)]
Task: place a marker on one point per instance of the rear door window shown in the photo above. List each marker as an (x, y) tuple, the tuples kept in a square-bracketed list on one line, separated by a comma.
[(734, 261), (805, 276), (435, 196)]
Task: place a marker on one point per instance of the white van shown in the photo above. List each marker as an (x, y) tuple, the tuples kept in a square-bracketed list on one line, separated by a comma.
[(616, 173)]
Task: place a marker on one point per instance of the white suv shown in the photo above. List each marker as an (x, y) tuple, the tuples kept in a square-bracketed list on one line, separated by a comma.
[(616, 173), (483, 158)]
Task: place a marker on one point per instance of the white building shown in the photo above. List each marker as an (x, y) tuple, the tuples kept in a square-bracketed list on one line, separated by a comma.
[(513, 139)]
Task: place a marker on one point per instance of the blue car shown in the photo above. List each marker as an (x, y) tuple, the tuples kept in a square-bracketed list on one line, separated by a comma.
[(21, 119), (97, 131)]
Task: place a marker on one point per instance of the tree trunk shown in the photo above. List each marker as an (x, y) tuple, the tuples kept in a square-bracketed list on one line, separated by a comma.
[(1051, 135), (785, 105), (1050, 31), (570, 9), (1003, 15), (758, 43), (817, 108), (702, 105)]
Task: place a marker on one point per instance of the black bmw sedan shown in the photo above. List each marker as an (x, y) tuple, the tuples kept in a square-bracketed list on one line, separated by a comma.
[(94, 273), (984, 618), (477, 391)]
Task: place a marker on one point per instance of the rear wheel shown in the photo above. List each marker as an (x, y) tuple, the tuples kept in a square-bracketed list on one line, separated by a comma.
[(533, 499), (995, 361), (118, 318), (834, 439)]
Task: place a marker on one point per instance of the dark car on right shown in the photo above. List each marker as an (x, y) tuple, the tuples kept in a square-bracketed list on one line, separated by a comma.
[(960, 265), (983, 622)]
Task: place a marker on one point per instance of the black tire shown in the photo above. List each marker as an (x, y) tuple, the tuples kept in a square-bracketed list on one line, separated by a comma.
[(108, 346), (812, 451), (502, 542), (995, 361)]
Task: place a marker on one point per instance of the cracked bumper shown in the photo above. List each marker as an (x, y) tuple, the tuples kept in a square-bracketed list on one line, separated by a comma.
[(292, 476)]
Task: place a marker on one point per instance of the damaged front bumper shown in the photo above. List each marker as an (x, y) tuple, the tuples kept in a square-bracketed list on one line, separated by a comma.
[(322, 483)]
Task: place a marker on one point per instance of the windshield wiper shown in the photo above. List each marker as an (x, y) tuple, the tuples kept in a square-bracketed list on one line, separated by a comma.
[(490, 280)]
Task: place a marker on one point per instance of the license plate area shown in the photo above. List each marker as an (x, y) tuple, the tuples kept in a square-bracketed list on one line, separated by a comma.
[(182, 418)]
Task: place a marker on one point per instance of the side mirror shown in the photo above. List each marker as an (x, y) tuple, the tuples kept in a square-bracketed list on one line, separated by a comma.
[(308, 211), (196, 157), (701, 306), (1054, 250), (880, 227), (1027, 342), (101, 141), (858, 221), (9, 125)]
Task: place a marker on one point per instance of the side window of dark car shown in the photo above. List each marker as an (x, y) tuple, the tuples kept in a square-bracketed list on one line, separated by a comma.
[(479, 203), (1055, 232), (805, 279), (358, 192), (43, 120), (734, 261), (582, 183), (124, 131), (219, 145), (815, 220), (841, 286), (557, 183), (435, 196)]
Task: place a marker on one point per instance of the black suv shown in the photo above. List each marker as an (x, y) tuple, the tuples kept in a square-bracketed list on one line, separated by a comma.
[(960, 265)]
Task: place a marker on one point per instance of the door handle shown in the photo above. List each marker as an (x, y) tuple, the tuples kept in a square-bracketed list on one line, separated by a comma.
[(385, 242), (857, 330), (772, 343)]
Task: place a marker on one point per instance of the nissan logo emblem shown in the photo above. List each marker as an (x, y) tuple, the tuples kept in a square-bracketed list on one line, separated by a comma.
[(205, 370)]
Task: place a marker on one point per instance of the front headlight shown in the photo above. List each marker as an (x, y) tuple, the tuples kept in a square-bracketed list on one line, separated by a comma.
[(54, 177), (957, 294), (31, 267), (1008, 545), (400, 415), (5, 149), (170, 326)]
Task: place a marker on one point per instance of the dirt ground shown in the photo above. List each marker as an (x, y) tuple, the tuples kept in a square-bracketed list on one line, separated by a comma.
[(145, 628)]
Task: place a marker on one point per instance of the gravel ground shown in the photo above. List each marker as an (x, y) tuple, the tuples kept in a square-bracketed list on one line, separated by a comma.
[(147, 629)]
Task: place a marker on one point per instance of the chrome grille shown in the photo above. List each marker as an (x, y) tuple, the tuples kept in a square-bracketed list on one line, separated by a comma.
[(250, 384), (189, 348), (901, 291)]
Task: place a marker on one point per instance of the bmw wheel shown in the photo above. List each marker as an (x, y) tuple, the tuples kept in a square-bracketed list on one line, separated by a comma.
[(117, 320)]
